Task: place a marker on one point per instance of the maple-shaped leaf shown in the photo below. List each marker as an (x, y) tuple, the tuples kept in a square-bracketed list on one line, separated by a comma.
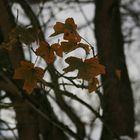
[(87, 69), (47, 52), (71, 35), (57, 48), (70, 24), (84, 46), (58, 28), (29, 74), (92, 86), (91, 68), (74, 63), (69, 30), (70, 46), (25, 35)]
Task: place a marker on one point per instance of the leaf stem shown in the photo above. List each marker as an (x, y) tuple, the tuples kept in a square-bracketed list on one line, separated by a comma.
[(90, 46)]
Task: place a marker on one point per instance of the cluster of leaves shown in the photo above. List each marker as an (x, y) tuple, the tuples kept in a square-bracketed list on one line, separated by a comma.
[(88, 69)]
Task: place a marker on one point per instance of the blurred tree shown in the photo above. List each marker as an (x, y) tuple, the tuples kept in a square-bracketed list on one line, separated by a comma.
[(30, 125), (36, 119), (118, 106)]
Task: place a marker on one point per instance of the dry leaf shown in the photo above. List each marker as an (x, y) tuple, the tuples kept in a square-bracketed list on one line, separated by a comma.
[(93, 85), (88, 69), (25, 35), (57, 49), (45, 52), (29, 74), (69, 30), (72, 35), (70, 46)]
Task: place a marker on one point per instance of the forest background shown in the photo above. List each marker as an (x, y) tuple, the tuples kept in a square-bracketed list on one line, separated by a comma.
[(67, 112)]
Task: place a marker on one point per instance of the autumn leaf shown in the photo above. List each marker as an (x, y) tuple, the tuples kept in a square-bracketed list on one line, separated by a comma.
[(69, 30), (47, 52), (74, 63), (93, 83), (58, 28), (70, 24), (70, 46), (57, 49), (25, 35), (88, 69), (84, 46), (91, 69), (29, 74), (71, 35)]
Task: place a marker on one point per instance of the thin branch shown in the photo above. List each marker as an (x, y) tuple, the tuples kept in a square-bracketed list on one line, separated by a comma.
[(11, 129), (57, 124)]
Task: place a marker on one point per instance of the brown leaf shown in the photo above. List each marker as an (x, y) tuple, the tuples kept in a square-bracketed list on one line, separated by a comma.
[(70, 46), (45, 52), (88, 69), (84, 46), (69, 30), (72, 35), (93, 85), (29, 74), (91, 69), (57, 49), (74, 63), (70, 24), (58, 28)]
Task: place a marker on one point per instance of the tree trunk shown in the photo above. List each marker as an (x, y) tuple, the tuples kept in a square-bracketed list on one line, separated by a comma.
[(118, 106), (30, 125), (26, 121)]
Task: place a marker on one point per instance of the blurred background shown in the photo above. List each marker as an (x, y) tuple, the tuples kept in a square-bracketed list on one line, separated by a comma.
[(113, 29)]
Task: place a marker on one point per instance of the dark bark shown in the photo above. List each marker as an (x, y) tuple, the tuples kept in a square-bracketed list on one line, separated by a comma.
[(80, 127), (118, 106), (26, 122), (30, 125)]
